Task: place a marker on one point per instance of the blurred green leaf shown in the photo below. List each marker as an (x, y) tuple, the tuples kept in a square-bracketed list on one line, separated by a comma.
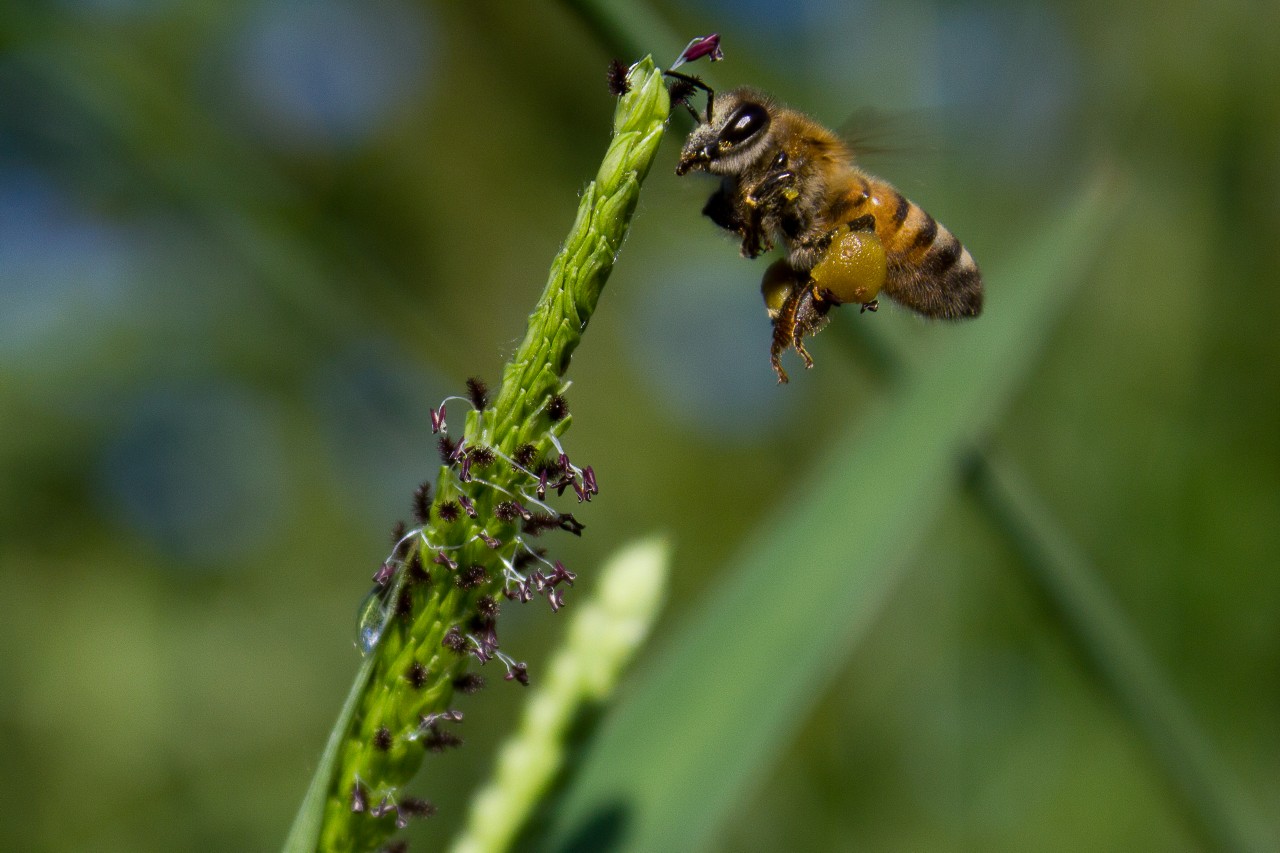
[(744, 670), (1105, 638), (304, 835)]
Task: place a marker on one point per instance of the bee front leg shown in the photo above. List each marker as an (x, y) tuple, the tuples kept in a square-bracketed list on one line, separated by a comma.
[(755, 239), (734, 211), (722, 210), (773, 189)]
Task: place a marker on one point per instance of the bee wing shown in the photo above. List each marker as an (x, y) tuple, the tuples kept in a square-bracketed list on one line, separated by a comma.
[(878, 136)]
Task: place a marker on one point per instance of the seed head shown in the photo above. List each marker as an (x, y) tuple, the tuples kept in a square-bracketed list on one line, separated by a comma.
[(417, 675), (472, 577), (524, 455), (481, 456), (454, 641), (469, 683), (438, 740), (617, 77), (478, 392), (416, 572), (416, 807), (557, 408), (422, 503), (382, 739)]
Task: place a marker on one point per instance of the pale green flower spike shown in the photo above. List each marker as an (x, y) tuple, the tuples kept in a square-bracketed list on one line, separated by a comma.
[(437, 616), (605, 634)]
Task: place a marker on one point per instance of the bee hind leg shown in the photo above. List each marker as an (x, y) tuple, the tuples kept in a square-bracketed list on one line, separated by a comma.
[(803, 313), (786, 331), (811, 318)]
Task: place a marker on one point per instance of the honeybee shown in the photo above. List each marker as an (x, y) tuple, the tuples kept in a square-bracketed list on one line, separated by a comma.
[(848, 235)]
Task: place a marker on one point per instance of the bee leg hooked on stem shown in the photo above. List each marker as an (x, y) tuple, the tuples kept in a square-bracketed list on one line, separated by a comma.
[(692, 83)]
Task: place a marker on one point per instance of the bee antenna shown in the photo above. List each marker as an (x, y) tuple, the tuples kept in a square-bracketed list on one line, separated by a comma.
[(696, 83)]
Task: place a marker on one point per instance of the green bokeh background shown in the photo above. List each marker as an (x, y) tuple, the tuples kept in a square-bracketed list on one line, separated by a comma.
[(244, 246)]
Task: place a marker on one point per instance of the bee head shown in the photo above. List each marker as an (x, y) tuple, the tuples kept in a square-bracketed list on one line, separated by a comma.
[(735, 133)]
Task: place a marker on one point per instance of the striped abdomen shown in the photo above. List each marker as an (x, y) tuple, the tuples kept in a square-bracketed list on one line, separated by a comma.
[(929, 271)]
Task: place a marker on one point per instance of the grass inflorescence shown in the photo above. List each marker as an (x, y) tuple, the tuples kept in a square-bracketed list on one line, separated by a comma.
[(433, 616)]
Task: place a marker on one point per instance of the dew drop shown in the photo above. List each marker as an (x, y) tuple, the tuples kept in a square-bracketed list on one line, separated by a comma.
[(371, 618)]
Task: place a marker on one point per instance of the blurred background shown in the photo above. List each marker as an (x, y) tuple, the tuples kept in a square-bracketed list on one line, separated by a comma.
[(243, 246)]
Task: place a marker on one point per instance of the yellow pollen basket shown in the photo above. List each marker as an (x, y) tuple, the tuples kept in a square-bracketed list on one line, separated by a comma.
[(779, 281), (854, 268)]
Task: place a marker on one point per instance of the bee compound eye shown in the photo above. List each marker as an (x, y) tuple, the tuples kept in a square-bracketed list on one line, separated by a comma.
[(746, 122)]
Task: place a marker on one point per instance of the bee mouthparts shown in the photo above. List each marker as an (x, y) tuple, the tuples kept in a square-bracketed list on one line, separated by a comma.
[(691, 161)]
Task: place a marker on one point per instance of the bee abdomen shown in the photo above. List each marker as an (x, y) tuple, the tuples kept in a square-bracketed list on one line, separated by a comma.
[(930, 271), (936, 277)]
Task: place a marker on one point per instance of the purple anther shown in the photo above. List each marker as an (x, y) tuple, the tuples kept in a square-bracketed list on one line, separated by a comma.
[(437, 420), (571, 524), (562, 574), (445, 561), (701, 46), (429, 720), (384, 573), (519, 672), (467, 506), (485, 646)]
